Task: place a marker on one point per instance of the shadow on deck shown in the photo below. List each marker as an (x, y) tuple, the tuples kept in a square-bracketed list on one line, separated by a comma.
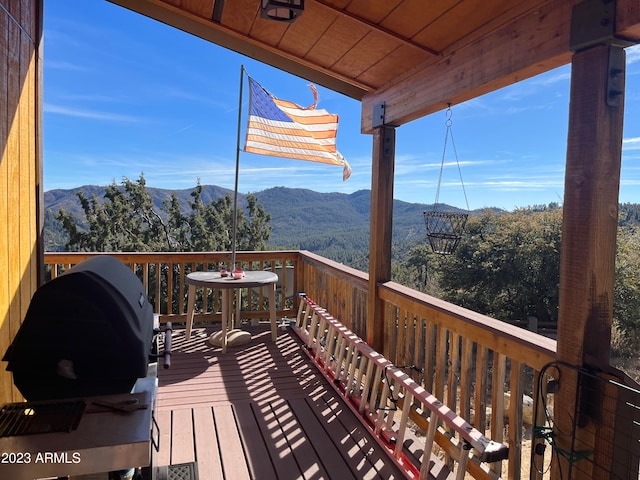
[(260, 411)]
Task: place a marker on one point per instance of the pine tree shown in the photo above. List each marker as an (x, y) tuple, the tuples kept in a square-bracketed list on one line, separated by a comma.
[(127, 220)]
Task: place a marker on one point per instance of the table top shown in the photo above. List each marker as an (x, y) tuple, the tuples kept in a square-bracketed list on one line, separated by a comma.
[(252, 278)]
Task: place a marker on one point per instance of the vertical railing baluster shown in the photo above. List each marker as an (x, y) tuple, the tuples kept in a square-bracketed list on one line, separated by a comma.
[(452, 378), (181, 287), (497, 402), (411, 338), (481, 388), (145, 278), (441, 362), (418, 350), (515, 421), (394, 328), (466, 378), (170, 289), (157, 289), (403, 340), (429, 356)]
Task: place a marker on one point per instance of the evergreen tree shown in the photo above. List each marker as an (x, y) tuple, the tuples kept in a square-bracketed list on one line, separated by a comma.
[(127, 220), (626, 305), (506, 265)]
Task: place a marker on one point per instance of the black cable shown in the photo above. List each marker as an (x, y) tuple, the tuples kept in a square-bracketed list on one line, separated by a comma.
[(537, 431), (548, 433)]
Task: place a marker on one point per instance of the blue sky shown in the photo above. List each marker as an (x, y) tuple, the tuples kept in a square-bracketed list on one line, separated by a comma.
[(124, 94)]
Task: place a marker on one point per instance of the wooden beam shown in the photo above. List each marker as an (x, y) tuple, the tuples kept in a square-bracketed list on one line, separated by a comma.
[(533, 44), (376, 27), (587, 262), (627, 15), (384, 140), (211, 31)]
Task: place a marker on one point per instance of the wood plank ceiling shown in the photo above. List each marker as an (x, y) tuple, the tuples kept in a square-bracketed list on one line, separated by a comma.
[(416, 55)]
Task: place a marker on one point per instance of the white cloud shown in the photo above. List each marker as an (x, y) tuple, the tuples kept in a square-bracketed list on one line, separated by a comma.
[(62, 65), (92, 114), (633, 54), (631, 143), (91, 98), (550, 79), (520, 184)]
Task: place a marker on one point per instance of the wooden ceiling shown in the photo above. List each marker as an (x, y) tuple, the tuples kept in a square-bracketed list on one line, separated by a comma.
[(414, 55)]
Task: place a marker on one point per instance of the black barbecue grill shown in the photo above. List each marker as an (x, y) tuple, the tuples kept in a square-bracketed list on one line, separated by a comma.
[(85, 358), (87, 332)]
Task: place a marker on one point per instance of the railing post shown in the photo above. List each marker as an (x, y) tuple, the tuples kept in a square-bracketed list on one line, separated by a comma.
[(384, 139)]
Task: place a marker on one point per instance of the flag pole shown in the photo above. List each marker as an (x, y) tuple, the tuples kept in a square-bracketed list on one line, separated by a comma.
[(235, 190)]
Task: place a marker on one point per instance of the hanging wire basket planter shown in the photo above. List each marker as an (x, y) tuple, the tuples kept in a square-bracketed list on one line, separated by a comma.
[(444, 230), (445, 227)]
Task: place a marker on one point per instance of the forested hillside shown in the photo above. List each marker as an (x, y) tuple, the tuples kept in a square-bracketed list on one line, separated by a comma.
[(334, 225), (629, 214)]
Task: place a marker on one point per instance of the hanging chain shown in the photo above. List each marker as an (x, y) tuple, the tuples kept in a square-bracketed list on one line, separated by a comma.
[(449, 133)]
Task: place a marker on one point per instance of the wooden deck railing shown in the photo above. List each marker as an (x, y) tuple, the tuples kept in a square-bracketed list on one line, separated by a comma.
[(383, 395), (342, 290), (163, 276), (474, 363)]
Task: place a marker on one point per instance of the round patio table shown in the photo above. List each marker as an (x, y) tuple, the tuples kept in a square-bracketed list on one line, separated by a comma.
[(229, 286)]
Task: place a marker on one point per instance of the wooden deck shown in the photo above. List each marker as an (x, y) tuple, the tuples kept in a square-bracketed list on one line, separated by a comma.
[(260, 411)]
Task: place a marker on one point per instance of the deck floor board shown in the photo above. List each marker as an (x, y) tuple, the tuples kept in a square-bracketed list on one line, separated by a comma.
[(206, 444), (231, 451), (164, 437), (328, 453), (261, 410), (182, 447), (283, 461), (260, 464)]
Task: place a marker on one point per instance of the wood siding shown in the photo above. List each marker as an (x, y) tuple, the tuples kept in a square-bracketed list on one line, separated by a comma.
[(20, 172)]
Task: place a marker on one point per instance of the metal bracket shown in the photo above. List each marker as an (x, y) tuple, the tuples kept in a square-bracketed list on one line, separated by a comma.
[(593, 23), (389, 143), (378, 115), (615, 77)]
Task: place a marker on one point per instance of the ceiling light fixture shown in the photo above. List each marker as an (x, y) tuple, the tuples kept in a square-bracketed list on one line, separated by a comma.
[(281, 10)]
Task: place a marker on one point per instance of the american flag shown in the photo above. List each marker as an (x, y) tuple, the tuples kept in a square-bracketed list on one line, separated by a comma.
[(284, 129)]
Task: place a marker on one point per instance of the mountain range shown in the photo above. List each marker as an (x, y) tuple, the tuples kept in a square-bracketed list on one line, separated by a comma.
[(335, 225)]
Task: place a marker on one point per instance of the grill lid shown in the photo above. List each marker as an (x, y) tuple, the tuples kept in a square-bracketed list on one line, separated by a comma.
[(87, 332)]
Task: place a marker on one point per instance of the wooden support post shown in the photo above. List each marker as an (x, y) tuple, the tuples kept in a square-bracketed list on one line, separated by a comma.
[(384, 140), (587, 264)]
